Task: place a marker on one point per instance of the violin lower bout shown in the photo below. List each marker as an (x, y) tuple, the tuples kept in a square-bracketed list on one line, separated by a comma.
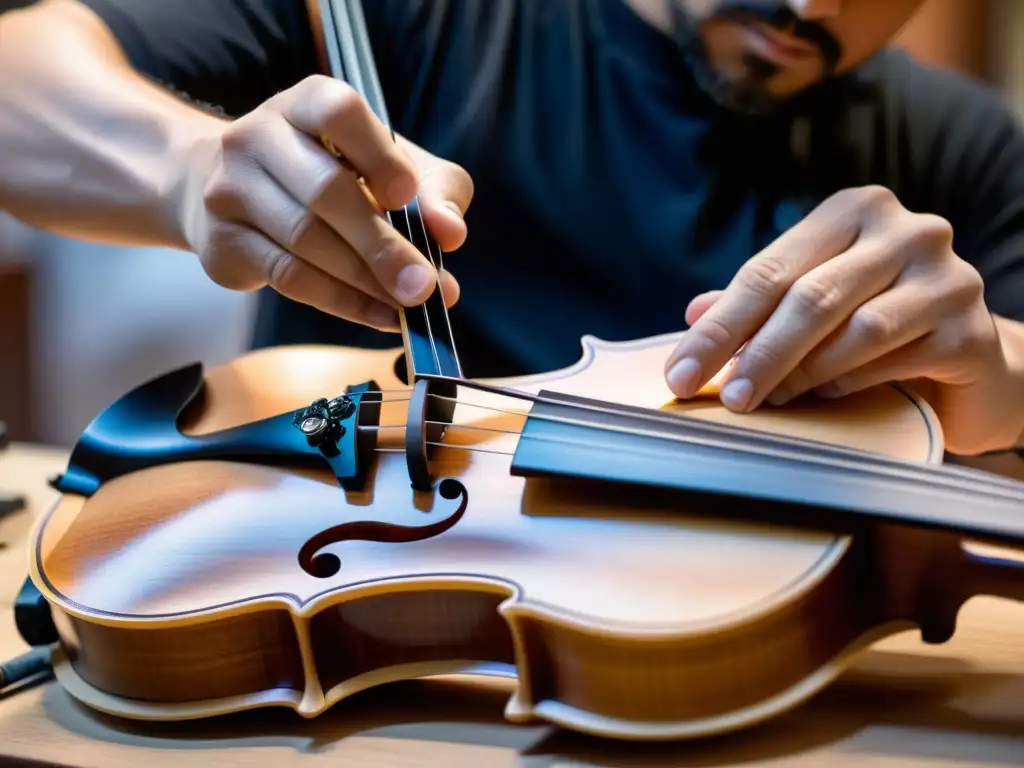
[(619, 684)]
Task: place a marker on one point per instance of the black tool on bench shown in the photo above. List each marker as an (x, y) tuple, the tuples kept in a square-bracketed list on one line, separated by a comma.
[(33, 624)]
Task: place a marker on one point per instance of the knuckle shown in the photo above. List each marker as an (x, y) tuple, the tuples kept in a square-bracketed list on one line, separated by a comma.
[(765, 277), (929, 234), (316, 81), (282, 269), (715, 331), (816, 298), (874, 197), (220, 193), (360, 304), (323, 181), (972, 284), (761, 358), (299, 229), (385, 254), (235, 138), (963, 285), (345, 105), (873, 326), (307, 89), (242, 135)]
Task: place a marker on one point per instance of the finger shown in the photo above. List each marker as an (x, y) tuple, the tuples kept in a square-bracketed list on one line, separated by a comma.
[(251, 197), (902, 364), (325, 108), (300, 281), (701, 304), (406, 273), (446, 192), (339, 199), (890, 321), (816, 305), (449, 288), (755, 292)]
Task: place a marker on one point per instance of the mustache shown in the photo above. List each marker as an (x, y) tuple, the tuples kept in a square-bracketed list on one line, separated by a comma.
[(779, 16)]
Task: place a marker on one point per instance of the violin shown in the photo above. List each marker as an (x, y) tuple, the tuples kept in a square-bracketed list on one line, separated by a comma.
[(303, 523)]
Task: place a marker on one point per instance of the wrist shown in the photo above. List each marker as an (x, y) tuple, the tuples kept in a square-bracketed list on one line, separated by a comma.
[(194, 149), (1011, 338)]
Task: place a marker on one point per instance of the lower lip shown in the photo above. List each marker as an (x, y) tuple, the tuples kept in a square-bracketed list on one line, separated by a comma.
[(772, 51)]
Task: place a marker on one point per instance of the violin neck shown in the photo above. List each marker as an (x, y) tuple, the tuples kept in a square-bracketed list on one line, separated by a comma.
[(426, 329), (826, 487)]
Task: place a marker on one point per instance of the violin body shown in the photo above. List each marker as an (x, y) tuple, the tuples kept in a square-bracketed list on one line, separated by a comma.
[(198, 587)]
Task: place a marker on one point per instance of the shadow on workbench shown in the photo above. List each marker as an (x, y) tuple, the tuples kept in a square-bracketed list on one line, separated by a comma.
[(932, 695)]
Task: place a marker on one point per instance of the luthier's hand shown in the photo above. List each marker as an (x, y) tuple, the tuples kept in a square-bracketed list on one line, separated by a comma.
[(265, 203), (859, 293)]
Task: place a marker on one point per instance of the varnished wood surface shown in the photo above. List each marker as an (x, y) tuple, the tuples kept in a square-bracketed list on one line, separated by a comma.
[(180, 595), (904, 704)]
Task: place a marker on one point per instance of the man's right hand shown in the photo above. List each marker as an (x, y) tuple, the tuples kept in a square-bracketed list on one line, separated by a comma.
[(263, 202)]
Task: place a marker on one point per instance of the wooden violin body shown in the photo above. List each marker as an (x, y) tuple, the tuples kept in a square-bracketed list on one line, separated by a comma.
[(196, 587)]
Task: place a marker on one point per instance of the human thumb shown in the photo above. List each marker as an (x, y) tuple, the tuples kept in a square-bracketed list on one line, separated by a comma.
[(446, 191)]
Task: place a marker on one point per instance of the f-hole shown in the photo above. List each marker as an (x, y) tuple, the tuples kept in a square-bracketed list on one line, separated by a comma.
[(431, 409), (402, 370)]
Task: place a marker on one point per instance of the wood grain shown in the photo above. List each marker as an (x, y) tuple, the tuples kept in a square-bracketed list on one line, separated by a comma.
[(625, 614), (902, 705)]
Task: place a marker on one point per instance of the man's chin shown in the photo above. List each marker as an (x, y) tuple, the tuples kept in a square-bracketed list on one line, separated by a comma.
[(742, 95)]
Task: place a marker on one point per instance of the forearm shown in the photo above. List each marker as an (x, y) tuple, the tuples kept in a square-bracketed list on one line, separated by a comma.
[(88, 148)]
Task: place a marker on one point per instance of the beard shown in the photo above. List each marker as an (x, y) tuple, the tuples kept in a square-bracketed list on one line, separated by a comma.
[(750, 94)]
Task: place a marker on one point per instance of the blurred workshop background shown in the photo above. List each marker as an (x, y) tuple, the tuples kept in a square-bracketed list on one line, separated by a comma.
[(80, 323)]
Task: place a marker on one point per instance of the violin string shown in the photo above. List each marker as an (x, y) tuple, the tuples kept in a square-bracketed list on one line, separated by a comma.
[(355, 49), (423, 306), (470, 448), (439, 268), (466, 403), (856, 460), (648, 450), (471, 427), (949, 469), (847, 457)]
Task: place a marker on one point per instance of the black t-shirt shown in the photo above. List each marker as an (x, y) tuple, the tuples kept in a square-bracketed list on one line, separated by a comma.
[(609, 192)]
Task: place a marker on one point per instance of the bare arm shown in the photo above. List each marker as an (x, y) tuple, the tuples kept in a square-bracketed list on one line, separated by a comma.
[(89, 148)]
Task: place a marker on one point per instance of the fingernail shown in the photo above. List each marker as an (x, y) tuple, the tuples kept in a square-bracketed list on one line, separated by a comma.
[(779, 397), (412, 281), (736, 394), (382, 317), (684, 377)]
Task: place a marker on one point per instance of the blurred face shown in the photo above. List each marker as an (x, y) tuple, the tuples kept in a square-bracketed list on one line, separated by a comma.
[(750, 54)]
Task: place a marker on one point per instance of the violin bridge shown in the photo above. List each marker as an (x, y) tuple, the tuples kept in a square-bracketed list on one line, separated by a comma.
[(431, 409)]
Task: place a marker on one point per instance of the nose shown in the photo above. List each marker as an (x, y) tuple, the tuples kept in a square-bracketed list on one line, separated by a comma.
[(815, 9)]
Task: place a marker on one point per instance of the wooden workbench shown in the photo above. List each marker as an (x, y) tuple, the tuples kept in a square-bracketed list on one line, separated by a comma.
[(905, 704)]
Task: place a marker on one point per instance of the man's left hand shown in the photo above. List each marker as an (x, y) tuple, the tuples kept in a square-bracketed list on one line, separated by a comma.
[(859, 293)]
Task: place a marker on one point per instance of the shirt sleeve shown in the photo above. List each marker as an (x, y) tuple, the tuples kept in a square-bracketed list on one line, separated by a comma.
[(231, 54), (965, 151)]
